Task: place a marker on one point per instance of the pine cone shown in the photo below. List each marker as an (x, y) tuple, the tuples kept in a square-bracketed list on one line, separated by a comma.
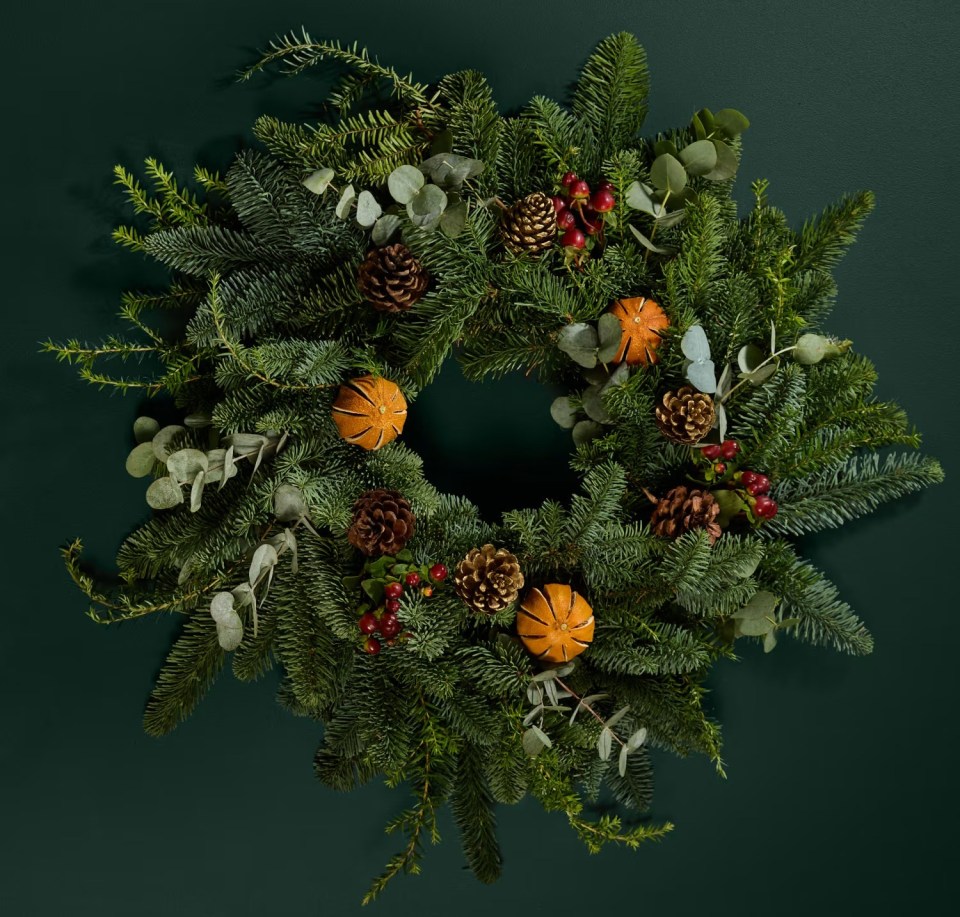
[(488, 579), (382, 522), (685, 416), (530, 225), (684, 509), (391, 278)]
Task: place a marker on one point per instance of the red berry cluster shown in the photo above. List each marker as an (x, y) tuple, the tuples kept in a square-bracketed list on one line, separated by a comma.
[(580, 211), (383, 624), (755, 487)]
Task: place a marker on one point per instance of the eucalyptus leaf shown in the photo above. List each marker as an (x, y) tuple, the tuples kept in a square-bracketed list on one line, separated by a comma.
[(264, 559), (533, 742), (450, 170), (246, 443), (318, 181), (610, 333), (756, 619), (695, 345), (637, 198), (404, 183), (585, 431), (288, 503), (726, 166), (164, 493), (162, 442), (749, 358), (619, 715), (664, 148), (637, 739), (769, 641), (196, 493), (198, 420), (721, 416), (593, 404), (347, 198), (230, 633), (427, 206), (186, 464), (762, 373), (141, 460), (453, 220), (229, 466), (243, 595), (384, 228), (731, 121), (773, 336), (618, 376), (725, 380), (702, 376), (668, 174), (646, 243), (605, 744), (368, 210), (221, 606), (144, 429), (579, 341), (699, 157), (563, 412), (667, 219), (535, 713), (622, 761)]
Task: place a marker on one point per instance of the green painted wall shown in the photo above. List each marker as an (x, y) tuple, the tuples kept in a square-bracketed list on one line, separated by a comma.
[(840, 798)]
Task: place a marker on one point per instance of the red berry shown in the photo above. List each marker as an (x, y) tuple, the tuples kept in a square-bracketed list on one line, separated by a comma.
[(371, 646), (568, 179), (392, 605), (762, 482), (573, 238), (711, 452), (393, 590), (566, 220), (579, 190), (367, 623), (438, 572), (729, 449), (412, 578), (748, 477), (603, 200), (720, 468), (390, 625), (606, 186), (559, 203), (754, 489), (764, 507)]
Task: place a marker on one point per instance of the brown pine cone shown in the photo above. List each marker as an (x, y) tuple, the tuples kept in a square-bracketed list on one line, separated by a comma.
[(488, 579), (530, 225), (685, 416), (391, 278), (684, 509), (383, 522)]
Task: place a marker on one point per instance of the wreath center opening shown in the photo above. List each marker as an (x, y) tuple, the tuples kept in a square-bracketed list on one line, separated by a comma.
[(492, 442)]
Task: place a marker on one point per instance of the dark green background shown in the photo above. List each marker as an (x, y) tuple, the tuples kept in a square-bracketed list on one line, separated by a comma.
[(841, 796)]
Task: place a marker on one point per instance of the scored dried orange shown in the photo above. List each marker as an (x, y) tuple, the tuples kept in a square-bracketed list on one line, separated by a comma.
[(370, 411), (555, 623), (641, 321)]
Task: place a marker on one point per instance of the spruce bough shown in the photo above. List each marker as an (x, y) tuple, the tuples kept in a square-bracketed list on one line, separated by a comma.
[(255, 491)]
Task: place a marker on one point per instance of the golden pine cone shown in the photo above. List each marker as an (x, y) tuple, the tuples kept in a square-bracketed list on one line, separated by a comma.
[(383, 522), (488, 579), (684, 509), (530, 225), (685, 416), (391, 279)]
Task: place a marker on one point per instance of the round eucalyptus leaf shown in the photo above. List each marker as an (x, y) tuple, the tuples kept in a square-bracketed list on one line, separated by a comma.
[(318, 181), (246, 443), (221, 606), (404, 183), (144, 429), (264, 558), (695, 345), (164, 493), (731, 121), (586, 430), (196, 493), (610, 332), (579, 341), (141, 460), (563, 412), (594, 406), (347, 198), (699, 157), (198, 419), (726, 166), (664, 148), (368, 210), (668, 174), (288, 503), (163, 441), (230, 632), (703, 376), (618, 376), (810, 349), (759, 376), (637, 198), (186, 464), (384, 228), (427, 206), (453, 220), (749, 358)]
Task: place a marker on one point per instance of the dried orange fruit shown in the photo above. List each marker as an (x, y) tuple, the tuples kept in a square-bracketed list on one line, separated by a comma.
[(555, 624), (641, 320), (370, 411)]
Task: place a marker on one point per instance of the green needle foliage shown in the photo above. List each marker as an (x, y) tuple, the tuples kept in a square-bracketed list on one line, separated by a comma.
[(253, 554)]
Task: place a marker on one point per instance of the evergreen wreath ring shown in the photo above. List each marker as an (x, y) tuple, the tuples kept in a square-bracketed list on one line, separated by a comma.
[(323, 281)]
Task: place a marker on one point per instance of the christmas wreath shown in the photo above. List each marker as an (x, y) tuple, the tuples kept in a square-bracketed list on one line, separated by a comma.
[(324, 280)]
